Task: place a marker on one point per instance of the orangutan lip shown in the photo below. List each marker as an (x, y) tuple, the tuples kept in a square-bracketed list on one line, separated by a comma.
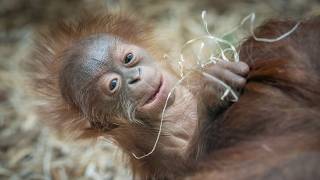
[(156, 92)]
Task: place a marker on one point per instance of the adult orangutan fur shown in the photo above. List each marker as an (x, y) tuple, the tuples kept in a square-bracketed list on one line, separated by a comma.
[(272, 132)]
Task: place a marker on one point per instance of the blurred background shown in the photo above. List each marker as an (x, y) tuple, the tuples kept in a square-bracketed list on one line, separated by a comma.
[(28, 149)]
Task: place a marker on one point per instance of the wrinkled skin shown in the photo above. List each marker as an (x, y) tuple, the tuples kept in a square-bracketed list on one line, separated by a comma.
[(110, 76), (99, 76)]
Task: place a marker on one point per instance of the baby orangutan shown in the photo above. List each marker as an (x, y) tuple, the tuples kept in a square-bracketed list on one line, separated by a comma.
[(102, 76)]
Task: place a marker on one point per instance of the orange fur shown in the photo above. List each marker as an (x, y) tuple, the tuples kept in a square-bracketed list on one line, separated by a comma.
[(46, 63), (275, 121)]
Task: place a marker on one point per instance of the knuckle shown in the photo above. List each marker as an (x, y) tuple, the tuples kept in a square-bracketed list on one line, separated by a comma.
[(241, 82), (213, 70), (244, 68)]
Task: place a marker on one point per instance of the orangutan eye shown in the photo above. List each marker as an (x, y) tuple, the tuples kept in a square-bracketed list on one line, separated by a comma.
[(129, 57), (113, 84)]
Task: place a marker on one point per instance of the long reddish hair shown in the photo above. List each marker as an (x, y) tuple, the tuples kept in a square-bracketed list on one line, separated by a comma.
[(274, 128)]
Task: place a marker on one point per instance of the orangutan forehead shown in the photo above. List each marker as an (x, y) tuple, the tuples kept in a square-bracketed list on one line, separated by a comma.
[(90, 55), (86, 59)]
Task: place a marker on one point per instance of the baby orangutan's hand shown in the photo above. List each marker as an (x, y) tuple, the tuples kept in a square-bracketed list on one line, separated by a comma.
[(231, 73)]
